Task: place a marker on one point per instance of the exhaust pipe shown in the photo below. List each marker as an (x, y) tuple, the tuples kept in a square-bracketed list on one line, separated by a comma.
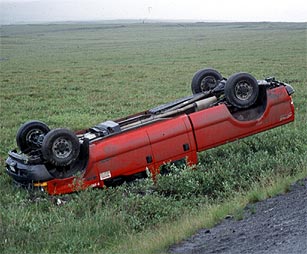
[(205, 103)]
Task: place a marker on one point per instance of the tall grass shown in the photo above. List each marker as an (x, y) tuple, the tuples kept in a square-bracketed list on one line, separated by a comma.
[(78, 75)]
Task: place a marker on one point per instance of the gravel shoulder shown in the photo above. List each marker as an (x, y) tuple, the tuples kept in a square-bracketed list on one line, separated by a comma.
[(275, 225)]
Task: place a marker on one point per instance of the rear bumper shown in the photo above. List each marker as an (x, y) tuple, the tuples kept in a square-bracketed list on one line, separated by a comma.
[(25, 170), (289, 88)]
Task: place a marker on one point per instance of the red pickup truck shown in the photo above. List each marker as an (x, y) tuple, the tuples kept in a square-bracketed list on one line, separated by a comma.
[(220, 110)]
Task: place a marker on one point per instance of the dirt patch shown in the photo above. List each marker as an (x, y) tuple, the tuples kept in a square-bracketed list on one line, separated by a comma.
[(276, 225)]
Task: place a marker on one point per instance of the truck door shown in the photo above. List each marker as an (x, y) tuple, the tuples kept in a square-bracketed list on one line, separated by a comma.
[(123, 155), (172, 140)]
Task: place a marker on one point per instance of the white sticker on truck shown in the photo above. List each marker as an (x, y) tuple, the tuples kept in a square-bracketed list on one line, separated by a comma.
[(105, 175)]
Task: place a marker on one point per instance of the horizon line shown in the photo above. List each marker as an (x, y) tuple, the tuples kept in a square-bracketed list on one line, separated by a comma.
[(140, 20)]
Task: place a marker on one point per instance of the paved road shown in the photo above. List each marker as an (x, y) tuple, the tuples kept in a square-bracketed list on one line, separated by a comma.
[(276, 225)]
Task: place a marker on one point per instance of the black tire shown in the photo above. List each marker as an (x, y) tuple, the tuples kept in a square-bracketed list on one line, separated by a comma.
[(60, 147), (205, 80), (30, 135), (241, 90)]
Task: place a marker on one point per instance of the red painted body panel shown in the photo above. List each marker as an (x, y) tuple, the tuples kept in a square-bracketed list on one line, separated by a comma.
[(146, 147), (124, 153), (152, 145), (168, 139), (129, 153), (216, 125)]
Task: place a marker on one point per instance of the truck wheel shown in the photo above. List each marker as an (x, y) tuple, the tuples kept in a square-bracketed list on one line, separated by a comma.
[(205, 80), (241, 90), (30, 135), (60, 147)]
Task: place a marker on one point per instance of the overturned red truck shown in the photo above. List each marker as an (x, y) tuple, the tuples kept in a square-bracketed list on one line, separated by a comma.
[(220, 110)]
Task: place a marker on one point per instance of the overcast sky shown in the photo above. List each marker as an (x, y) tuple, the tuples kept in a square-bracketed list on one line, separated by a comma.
[(12, 11)]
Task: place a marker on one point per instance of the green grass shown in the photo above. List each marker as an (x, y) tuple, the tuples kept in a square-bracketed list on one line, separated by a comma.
[(157, 240), (77, 75)]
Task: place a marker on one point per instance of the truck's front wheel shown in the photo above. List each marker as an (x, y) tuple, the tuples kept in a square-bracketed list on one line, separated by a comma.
[(30, 135), (60, 147)]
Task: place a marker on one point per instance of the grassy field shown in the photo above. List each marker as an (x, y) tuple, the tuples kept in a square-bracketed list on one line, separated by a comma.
[(77, 75)]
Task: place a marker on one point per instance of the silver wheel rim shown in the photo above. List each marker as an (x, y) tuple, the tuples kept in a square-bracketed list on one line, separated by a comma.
[(243, 90), (62, 148), (33, 136), (208, 82)]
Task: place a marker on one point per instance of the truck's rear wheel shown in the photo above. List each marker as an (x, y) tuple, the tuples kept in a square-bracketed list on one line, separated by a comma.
[(60, 147), (205, 80), (241, 90)]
